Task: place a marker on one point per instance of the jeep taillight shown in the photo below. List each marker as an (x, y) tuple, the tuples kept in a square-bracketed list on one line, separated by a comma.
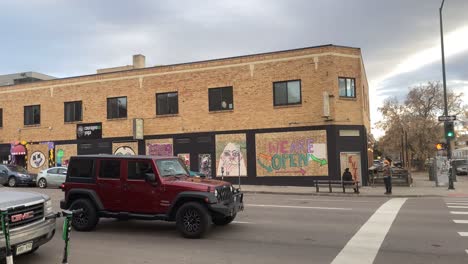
[(62, 187)]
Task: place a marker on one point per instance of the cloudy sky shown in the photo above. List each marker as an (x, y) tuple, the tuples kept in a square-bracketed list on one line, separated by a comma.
[(399, 38)]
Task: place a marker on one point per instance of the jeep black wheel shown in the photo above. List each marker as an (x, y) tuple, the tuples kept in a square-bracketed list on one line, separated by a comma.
[(42, 183), (12, 181), (221, 221), (87, 220), (193, 220)]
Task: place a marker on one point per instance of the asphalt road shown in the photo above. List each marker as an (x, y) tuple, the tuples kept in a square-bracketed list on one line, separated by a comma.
[(283, 229)]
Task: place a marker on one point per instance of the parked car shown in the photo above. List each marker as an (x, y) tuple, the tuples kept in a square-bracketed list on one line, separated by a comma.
[(29, 229), (147, 188), (52, 177), (13, 176)]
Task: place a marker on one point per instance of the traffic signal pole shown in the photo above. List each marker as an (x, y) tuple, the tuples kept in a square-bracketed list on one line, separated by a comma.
[(449, 148)]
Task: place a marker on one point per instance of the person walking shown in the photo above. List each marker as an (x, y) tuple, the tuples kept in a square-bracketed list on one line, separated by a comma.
[(387, 175)]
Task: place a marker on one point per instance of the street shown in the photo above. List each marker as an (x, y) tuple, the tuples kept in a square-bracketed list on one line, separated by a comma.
[(283, 229)]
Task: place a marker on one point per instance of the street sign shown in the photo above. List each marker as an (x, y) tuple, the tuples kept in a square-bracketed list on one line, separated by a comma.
[(447, 118)]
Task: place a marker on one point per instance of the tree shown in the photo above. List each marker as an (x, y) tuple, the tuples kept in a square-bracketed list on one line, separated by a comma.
[(411, 127)]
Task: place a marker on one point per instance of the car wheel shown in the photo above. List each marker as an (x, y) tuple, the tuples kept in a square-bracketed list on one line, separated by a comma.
[(193, 220), (221, 221), (87, 220), (42, 183), (12, 181)]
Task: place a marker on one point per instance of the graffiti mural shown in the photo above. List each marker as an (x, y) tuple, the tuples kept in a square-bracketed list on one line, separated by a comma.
[(124, 150), (230, 161), (37, 159), (160, 149), (302, 153), (185, 157), (63, 154), (351, 160), (204, 162)]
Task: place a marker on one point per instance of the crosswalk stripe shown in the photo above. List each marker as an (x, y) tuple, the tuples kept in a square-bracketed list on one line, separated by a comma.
[(463, 234), (459, 213), (460, 221), (458, 206), (363, 247)]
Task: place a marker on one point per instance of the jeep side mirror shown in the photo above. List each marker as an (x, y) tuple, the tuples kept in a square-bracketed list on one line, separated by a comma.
[(151, 179)]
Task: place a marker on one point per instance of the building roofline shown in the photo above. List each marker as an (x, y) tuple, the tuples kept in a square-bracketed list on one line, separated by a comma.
[(196, 62)]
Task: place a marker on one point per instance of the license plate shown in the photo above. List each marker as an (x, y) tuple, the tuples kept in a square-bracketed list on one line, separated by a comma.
[(23, 248)]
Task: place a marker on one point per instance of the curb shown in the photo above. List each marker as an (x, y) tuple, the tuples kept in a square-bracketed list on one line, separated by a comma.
[(347, 194)]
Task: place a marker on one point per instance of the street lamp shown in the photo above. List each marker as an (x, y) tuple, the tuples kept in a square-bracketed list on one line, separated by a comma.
[(449, 152)]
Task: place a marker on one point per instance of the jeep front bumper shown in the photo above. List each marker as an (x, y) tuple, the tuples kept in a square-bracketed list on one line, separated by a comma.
[(39, 233), (229, 208)]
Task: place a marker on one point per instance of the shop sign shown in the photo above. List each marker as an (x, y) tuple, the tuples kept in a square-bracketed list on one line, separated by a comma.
[(89, 131)]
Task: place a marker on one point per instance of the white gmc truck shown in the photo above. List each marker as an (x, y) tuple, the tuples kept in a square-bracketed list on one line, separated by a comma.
[(28, 227)]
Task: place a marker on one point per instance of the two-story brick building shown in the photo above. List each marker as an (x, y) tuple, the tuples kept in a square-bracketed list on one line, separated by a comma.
[(283, 117)]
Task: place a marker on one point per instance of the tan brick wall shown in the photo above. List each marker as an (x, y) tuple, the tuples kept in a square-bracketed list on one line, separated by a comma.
[(251, 78), (69, 150)]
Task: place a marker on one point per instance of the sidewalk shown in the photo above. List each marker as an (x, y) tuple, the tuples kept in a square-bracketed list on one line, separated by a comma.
[(422, 187)]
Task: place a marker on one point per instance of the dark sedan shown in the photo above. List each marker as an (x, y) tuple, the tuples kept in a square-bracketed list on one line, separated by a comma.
[(12, 176)]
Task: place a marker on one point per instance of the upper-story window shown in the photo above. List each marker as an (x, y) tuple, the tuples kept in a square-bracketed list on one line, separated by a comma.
[(117, 107), (1, 117), (347, 87), (32, 115), (287, 93), (73, 111), (220, 99), (167, 103)]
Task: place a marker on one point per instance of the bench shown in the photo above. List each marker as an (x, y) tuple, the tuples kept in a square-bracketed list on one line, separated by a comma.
[(343, 185)]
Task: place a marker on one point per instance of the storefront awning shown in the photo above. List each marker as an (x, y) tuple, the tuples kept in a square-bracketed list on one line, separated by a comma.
[(18, 150)]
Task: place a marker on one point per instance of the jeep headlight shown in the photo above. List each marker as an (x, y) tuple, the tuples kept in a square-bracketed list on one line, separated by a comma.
[(48, 207)]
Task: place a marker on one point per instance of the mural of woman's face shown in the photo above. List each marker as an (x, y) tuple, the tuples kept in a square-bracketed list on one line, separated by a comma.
[(231, 153)]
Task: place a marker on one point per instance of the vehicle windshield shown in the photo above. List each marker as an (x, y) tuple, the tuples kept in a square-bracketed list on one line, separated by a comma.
[(171, 167), (16, 168)]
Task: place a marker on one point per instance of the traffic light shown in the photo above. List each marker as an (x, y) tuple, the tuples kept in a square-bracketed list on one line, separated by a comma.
[(449, 130), (441, 146)]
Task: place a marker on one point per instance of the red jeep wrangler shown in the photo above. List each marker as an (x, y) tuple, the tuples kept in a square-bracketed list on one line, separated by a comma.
[(147, 188)]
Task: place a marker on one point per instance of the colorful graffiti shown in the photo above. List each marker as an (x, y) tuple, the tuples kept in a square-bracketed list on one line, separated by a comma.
[(292, 154), (351, 160), (204, 162), (37, 159), (160, 149), (185, 157), (231, 161)]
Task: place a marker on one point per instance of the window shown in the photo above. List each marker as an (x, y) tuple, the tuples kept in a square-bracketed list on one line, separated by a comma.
[(171, 167), (62, 171), (287, 93), (116, 107), (220, 99), (167, 103), (53, 171), (1, 117), (137, 170), (347, 87), (73, 111), (81, 168), (109, 169), (32, 115)]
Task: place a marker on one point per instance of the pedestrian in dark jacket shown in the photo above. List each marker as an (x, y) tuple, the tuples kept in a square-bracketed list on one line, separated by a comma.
[(387, 175), (348, 177)]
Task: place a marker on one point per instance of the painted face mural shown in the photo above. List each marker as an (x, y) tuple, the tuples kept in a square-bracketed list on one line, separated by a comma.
[(205, 164), (37, 159), (229, 160), (124, 150)]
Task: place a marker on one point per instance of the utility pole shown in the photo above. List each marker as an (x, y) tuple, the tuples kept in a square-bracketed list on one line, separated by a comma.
[(449, 151)]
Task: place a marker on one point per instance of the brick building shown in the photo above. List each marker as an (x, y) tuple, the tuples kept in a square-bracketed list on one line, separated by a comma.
[(284, 117)]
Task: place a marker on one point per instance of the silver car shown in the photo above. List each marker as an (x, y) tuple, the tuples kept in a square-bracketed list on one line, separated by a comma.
[(52, 177)]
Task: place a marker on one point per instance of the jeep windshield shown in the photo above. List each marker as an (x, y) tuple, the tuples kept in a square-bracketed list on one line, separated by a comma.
[(171, 167), (16, 168)]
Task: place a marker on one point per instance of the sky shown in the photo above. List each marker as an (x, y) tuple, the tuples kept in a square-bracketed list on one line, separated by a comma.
[(399, 39)]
